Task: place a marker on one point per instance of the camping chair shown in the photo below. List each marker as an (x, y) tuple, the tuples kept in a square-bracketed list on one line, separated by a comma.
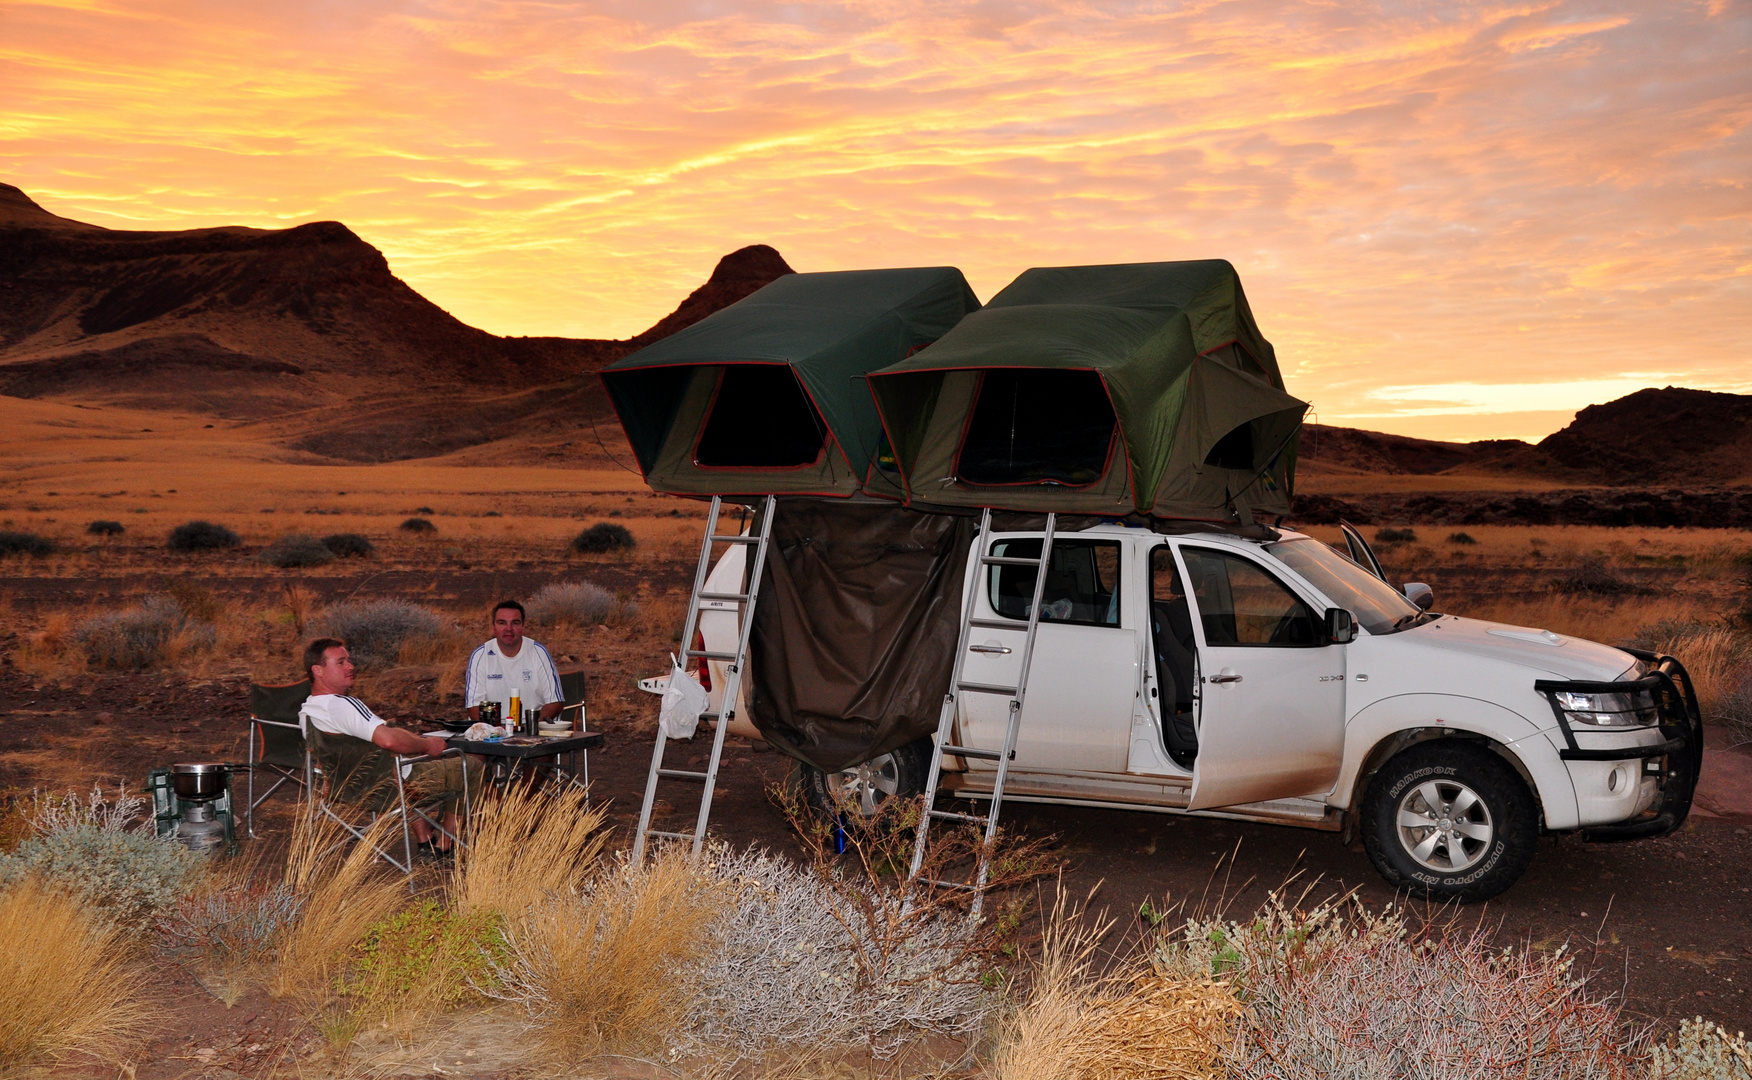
[(361, 777), (276, 744)]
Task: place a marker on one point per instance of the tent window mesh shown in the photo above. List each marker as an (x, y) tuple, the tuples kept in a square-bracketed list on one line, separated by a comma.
[(1033, 426), (760, 419), (1234, 450)]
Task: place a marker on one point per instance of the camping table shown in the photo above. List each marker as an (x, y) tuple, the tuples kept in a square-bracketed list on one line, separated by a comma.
[(516, 752)]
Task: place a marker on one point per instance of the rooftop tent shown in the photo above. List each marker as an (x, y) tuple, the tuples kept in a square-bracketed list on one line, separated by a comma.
[(767, 395), (1098, 389)]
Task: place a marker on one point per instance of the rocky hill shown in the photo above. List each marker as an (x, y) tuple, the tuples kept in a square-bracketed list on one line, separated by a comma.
[(304, 329)]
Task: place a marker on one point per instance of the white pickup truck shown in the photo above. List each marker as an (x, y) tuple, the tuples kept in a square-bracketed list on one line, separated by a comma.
[(1271, 678)]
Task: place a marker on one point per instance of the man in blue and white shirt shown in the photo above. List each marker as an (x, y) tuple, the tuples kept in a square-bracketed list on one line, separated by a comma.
[(512, 665)]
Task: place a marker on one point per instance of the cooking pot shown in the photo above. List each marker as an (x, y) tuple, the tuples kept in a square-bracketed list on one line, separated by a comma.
[(200, 780)]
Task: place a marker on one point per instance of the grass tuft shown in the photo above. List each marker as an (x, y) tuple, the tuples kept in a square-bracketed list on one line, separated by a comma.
[(67, 987), (602, 538), (201, 536), (526, 848)]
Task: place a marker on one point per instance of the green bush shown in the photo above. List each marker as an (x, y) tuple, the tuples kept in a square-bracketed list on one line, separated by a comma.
[(24, 543), (375, 631), (132, 876), (106, 528), (348, 546), (417, 525), (602, 538), (297, 550), (201, 536), (431, 949)]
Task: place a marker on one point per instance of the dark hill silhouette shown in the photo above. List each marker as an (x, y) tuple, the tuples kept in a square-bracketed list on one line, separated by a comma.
[(257, 324)]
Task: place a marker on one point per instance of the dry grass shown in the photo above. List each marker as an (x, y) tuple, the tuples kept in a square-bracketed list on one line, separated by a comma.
[(69, 985), (527, 848), (1606, 619), (610, 967), (51, 654), (1127, 1024)]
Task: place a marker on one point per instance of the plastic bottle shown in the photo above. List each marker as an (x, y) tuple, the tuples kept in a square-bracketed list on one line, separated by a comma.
[(513, 715)]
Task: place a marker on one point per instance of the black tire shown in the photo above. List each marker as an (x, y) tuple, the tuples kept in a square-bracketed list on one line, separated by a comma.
[(900, 774), (1482, 828)]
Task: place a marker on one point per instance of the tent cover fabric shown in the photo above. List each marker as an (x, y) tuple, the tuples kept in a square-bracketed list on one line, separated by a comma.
[(854, 636), (1133, 388), (767, 395)]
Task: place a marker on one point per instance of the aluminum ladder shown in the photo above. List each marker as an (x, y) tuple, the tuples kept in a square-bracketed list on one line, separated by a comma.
[(738, 663), (958, 685)]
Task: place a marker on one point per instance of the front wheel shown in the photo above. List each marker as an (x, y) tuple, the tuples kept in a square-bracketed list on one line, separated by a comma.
[(1449, 820), (864, 789)]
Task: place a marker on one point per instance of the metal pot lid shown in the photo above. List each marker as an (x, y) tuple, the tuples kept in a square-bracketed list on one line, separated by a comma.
[(199, 768)]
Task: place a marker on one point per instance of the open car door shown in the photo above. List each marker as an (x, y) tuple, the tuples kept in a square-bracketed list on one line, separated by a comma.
[(1360, 551)]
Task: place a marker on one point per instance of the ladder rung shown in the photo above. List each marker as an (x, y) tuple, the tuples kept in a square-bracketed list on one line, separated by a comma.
[(998, 624), (986, 688), (1005, 560), (975, 752), (736, 539), (707, 654), (949, 884), (954, 815), (681, 774), (670, 835), (739, 597)]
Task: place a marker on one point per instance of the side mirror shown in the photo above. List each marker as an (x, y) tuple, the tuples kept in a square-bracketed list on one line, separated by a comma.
[(1419, 593), (1341, 629)]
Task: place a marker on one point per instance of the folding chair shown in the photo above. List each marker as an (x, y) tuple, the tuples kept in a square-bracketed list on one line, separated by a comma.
[(572, 708), (362, 776), (276, 744)]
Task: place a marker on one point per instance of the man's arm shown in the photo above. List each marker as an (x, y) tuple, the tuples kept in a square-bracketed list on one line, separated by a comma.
[(398, 741)]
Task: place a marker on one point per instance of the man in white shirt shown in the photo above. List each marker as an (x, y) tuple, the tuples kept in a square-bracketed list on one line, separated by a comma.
[(511, 665), (332, 712)]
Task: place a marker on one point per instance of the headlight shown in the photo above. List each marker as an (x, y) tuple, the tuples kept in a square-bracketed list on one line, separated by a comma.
[(1617, 710)]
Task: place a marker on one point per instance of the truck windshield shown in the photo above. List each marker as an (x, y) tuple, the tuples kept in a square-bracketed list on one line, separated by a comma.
[(1377, 605)]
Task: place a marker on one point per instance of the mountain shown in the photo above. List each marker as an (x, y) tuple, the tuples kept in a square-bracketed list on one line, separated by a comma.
[(302, 329)]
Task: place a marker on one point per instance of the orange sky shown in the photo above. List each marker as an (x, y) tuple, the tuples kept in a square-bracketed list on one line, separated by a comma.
[(1455, 221)]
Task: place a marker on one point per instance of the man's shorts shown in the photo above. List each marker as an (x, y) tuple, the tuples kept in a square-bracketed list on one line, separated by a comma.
[(444, 777)]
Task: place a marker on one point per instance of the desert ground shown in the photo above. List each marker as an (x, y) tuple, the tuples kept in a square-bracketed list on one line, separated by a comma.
[(1658, 926)]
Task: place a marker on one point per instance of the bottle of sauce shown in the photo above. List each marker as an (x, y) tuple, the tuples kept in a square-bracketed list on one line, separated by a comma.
[(513, 714)]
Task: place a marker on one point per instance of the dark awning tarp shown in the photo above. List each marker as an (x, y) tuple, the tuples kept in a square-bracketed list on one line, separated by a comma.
[(854, 636), (768, 395), (1140, 387)]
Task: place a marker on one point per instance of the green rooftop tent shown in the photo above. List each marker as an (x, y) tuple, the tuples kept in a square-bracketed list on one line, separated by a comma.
[(767, 395), (1140, 387)]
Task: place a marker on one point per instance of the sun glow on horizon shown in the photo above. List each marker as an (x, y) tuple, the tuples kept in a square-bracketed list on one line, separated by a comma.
[(1459, 219)]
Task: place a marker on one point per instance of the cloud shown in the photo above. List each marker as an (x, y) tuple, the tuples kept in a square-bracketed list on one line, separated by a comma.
[(1421, 196)]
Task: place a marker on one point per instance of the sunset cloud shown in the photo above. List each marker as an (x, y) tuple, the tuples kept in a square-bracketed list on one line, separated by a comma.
[(1532, 195)]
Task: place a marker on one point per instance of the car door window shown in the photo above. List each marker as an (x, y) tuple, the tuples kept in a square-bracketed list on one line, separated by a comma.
[(1240, 603), (1082, 581)]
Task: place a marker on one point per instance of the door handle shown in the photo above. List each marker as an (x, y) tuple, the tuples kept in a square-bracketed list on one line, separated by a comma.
[(1225, 677), (996, 649)]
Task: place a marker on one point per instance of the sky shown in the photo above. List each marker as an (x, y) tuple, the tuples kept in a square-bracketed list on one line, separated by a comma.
[(1452, 220)]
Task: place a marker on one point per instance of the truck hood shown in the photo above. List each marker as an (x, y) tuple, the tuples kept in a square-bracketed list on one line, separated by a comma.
[(1540, 650)]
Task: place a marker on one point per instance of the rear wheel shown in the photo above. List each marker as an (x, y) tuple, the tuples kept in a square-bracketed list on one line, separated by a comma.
[(1449, 820), (864, 789)]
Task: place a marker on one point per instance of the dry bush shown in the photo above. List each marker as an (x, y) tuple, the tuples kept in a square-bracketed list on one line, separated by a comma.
[(51, 654), (376, 631), (1130, 1023), (1594, 576), (579, 603), (611, 966), (1335, 992), (296, 551), (68, 986), (24, 543), (122, 874), (201, 536), (1701, 1050), (526, 848), (300, 601), (342, 892), (1718, 657), (603, 538), (155, 632)]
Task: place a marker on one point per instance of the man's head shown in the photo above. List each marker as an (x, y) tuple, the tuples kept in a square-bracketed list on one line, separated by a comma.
[(508, 626), (329, 667)]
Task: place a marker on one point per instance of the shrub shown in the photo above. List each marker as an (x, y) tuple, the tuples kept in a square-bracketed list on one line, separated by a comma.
[(348, 546), (236, 921), (24, 543), (580, 603), (1461, 538), (106, 528), (1395, 536), (602, 538), (296, 550), (49, 814), (429, 954), (418, 526), (202, 536), (376, 631), (1702, 1051), (66, 984), (130, 876), (1595, 577), (141, 637)]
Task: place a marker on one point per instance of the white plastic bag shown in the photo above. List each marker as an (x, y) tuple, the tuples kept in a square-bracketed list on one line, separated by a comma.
[(683, 702)]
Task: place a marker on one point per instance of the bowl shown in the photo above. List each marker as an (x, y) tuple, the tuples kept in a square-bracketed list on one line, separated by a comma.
[(200, 780)]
